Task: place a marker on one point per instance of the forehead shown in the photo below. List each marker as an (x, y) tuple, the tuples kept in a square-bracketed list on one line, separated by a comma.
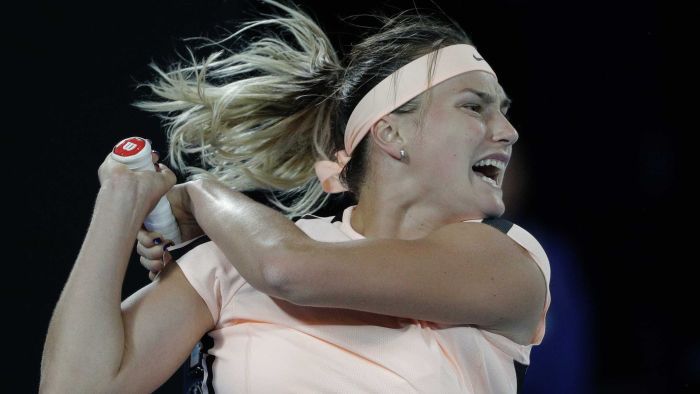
[(480, 81)]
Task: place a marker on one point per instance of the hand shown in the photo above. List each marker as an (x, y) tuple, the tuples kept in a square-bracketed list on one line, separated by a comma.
[(151, 246), (148, 186)]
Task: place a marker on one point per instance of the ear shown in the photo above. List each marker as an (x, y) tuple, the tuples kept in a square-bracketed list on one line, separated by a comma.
[(385, 135)]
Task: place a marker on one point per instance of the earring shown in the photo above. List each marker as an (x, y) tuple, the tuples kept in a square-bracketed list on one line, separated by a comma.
[(403, 154)]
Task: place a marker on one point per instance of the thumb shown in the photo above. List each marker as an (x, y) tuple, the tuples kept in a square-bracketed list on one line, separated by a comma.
[(167, 174)]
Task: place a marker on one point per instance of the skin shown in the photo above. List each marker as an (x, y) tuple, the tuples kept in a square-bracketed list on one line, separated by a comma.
[(444, 189), (424, 199), (476, 274), (458, 129), (136, 344)]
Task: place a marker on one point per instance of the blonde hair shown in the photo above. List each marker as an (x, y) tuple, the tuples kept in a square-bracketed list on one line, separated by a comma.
[(260, 117)]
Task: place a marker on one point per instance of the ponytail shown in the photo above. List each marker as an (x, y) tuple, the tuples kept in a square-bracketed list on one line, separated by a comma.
[(257, 118)]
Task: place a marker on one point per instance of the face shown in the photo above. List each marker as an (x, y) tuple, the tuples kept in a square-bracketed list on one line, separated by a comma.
[(461, 127)]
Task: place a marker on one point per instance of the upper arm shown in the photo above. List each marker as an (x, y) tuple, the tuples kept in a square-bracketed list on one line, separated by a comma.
[(162, 323), (463, 273)]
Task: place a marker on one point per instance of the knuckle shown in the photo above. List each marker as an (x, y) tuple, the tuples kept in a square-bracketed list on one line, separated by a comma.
[(142, 236), (151, 265), (152, 253), (146, 237)]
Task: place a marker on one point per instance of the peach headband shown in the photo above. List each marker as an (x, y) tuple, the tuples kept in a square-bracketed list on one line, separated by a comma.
[(406, 83)]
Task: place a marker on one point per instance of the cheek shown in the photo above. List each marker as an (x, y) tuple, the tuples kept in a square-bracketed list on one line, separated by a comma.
[(455, 127), (444, 160), (449, 138)]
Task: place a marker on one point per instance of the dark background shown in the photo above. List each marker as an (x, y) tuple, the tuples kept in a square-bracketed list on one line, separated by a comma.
[(596, 176)]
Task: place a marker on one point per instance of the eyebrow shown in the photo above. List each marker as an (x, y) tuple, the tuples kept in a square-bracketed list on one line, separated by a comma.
[(487, 98)]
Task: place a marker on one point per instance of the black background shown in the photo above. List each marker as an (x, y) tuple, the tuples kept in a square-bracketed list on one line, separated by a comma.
[(595, 87)]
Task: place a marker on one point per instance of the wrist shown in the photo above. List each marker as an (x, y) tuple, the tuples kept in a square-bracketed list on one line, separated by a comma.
[(190, 189), (123, 199)]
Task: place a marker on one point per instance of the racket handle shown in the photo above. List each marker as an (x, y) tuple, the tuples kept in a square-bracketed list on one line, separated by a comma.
[(135, 153)]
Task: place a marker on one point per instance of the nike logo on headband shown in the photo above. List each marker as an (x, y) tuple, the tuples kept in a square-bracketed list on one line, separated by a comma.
[(478, 58)]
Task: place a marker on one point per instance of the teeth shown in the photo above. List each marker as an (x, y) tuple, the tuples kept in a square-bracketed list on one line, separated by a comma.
[(489, 180), (491, 162)]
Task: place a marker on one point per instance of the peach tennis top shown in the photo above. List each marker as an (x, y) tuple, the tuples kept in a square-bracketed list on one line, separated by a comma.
[(262, 344)]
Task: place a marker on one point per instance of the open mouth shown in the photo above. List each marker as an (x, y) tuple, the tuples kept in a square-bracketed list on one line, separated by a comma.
[(489, 170)]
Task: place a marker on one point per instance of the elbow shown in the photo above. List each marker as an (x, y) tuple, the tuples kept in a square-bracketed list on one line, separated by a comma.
[(277, 275), (276, 282), (283, 274)]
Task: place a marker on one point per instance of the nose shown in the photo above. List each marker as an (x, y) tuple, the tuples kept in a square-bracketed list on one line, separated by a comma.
[(503, 130)]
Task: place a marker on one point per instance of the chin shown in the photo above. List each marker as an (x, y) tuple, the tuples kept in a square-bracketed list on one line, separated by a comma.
[(495, 210)]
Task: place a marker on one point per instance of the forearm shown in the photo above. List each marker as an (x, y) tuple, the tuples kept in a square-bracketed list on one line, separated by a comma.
[(256, 239), (85, 340)]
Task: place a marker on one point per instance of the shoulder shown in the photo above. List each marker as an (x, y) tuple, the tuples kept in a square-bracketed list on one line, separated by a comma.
[(521, 237), (201, 254), (511, 253), (209, 272), (323, 229)]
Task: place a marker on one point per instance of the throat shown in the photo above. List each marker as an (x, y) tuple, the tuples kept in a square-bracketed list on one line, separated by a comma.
[(393, 221)]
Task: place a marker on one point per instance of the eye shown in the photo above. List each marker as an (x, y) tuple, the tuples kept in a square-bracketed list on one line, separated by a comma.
[(473, 107), (505, 110)]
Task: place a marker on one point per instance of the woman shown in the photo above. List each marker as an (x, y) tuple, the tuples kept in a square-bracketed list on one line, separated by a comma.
[(420, 287)]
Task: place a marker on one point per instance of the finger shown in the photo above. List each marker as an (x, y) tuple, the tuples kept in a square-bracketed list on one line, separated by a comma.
[(152, 265), (167, 258), (170, 176), (152, 253), (153, 274), (155, 157), (156, 260), (109, 167), (163, 168), (149, 238)]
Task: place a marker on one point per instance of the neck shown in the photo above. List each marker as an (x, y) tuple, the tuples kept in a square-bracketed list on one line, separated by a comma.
[(397, 215)]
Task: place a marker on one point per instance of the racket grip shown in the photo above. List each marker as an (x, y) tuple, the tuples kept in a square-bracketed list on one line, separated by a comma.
[(135, 153)]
